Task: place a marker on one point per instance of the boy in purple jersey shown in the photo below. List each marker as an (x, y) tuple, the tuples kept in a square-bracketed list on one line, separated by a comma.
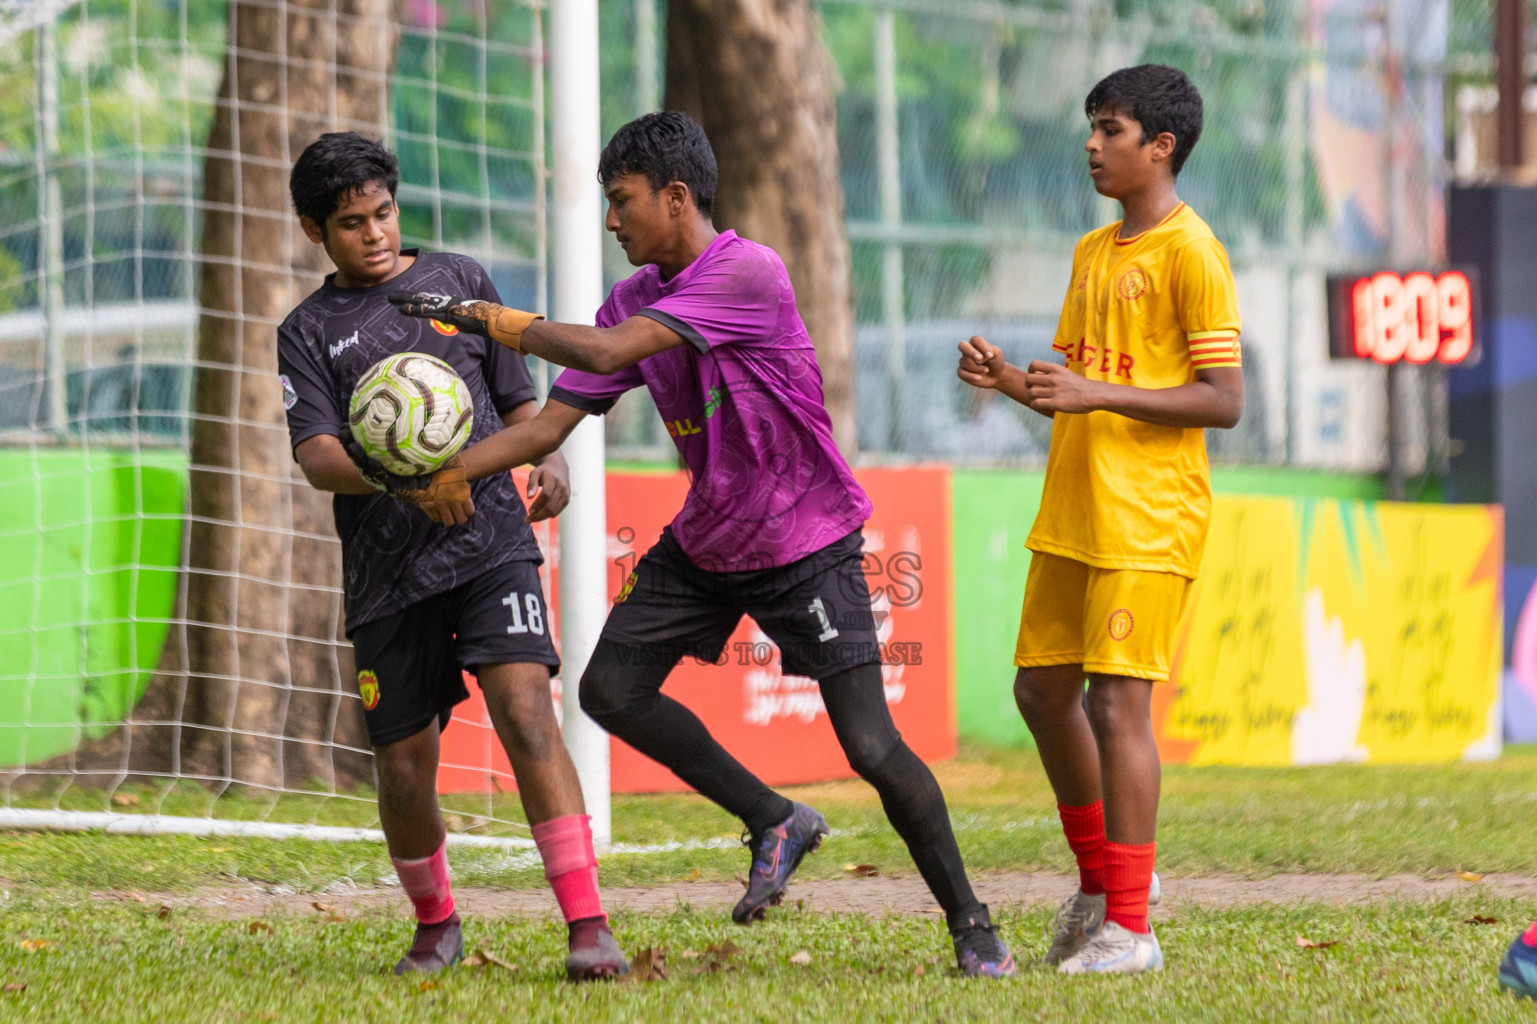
[(430, 572), (771, 526)]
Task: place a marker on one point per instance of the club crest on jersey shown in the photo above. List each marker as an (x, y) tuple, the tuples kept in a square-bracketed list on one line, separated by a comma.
[(1132, 284), (448, 329), (368, 688), (1121, 624)]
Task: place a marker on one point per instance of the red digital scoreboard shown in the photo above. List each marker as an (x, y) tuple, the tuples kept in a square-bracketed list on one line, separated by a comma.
[(1412, 317)]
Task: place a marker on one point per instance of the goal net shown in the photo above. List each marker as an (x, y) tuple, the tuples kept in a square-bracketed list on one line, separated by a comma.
[(172, 653)]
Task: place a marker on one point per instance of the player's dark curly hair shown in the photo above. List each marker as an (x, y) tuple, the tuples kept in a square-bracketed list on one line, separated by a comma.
[(1160, 98), (333, 167), (667, 146)]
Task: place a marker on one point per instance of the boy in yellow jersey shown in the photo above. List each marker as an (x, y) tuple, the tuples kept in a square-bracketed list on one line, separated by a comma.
[(1149, 336)]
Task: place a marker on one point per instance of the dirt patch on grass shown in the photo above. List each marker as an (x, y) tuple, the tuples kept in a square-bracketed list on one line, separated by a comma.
[(877, 896)]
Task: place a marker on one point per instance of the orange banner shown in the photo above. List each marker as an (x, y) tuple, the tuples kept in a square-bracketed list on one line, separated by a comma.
[(774, 723)]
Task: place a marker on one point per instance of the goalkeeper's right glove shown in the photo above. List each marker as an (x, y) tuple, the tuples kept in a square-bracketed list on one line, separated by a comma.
[(501, 324)]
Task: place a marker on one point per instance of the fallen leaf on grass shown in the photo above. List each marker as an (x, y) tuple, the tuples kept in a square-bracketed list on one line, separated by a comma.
[(718, 956), (1307, 943), (33, 945), (692, 876), (1480, 919), (218, 849), (920, 969), (802, 958), (691, 954), (862, 870), (649, 964), (257, 926), (16, 986), (125, 799), (164, 911), (482, 958), (1469, 876), (428, 986)]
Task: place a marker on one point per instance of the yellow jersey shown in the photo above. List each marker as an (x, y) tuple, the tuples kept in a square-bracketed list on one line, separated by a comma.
[(1147, 311)]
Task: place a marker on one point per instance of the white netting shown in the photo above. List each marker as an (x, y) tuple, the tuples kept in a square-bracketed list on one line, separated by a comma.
[(147, 253)]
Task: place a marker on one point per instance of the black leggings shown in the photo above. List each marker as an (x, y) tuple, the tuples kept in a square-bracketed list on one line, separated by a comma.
[(626, 699)]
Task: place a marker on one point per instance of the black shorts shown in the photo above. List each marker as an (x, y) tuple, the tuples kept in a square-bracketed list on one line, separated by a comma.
[(816, 609), (410, 663)]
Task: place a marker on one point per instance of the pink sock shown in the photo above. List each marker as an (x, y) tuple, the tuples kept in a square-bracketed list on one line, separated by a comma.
[(426, 882), (565, 844)]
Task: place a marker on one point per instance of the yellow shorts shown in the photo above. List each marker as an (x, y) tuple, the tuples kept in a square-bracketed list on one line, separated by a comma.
[(1114, 621)]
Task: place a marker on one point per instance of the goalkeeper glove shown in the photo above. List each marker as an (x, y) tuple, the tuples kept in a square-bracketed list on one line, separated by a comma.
[(446, 485), (501, 324)]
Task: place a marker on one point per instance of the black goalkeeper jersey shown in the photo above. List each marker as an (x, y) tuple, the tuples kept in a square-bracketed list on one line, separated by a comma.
[(392, 554)]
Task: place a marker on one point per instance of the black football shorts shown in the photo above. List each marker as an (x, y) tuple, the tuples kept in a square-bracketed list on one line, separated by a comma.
[(409, 664), (816, 609)]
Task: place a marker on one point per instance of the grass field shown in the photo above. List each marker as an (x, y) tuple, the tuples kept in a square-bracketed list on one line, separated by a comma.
[(83, 955)]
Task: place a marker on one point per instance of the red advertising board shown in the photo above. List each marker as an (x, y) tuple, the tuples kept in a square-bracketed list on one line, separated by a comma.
[(774, 723)]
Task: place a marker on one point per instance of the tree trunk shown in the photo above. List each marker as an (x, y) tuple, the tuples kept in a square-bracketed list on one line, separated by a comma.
[(250, 689), (772, 121)]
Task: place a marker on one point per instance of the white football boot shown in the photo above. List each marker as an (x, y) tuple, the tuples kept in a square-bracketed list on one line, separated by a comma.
[(1115, 950)]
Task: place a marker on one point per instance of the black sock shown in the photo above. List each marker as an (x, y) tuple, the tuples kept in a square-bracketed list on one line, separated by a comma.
[(624, 696), (856, 704)]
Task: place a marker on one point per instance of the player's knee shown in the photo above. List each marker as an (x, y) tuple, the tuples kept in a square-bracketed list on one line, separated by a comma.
[(606, 693), (403, 775), (531, 732), (1039, 699), (869, 754), (1117, 710)]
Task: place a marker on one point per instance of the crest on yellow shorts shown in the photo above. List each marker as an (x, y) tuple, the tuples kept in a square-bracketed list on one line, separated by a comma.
[(1121, 624), (368, 688)]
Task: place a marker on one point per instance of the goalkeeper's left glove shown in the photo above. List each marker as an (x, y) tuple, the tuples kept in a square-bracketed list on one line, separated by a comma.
[(501, 324)]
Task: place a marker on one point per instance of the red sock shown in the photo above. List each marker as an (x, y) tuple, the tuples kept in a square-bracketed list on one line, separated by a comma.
[(1530, 935), (1128, 873), (1085, 830), (565, 845), (426, 882)]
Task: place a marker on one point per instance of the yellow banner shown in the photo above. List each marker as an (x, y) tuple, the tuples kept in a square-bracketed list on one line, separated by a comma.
[(1323, 631)]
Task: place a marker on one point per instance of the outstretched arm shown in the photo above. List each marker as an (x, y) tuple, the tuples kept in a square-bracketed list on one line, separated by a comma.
[(602, 350), (529, 441), (549, 483)]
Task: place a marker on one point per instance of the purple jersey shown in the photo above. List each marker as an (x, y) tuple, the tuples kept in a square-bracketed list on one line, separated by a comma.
[(743, 403)]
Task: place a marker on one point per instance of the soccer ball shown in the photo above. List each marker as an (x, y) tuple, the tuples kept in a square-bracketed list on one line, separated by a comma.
[(411, 412)]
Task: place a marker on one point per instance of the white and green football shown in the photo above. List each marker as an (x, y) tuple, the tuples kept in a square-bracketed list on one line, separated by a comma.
[(411, 412)]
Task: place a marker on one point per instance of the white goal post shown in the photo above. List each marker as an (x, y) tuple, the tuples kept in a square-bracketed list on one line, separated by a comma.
[(101, 209)]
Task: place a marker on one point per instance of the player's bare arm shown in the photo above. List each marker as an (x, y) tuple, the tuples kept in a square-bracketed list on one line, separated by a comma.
[(1213, 399), (444, 495), (549, 483), (602, 350), (982, 366), (527, 441), (327, 466)]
